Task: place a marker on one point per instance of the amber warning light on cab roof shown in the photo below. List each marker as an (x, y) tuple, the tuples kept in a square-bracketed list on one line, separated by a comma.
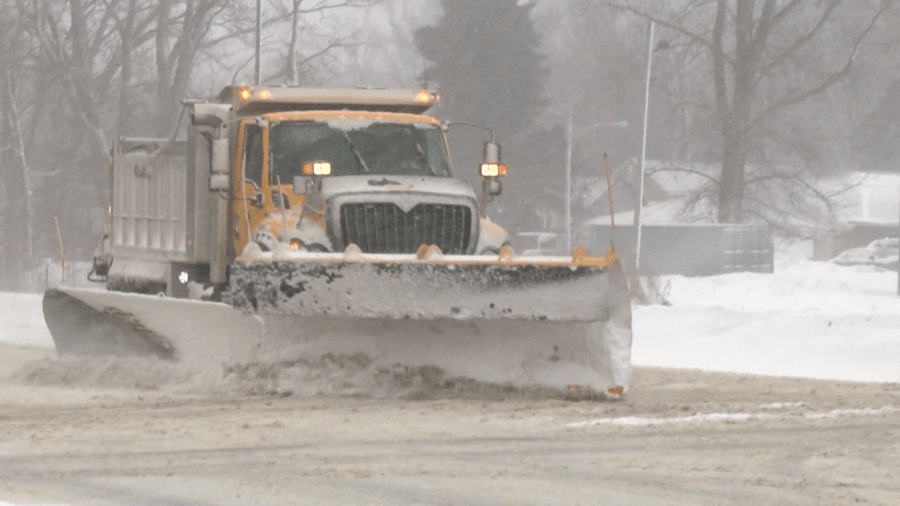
[(245, 94), (427, 97)]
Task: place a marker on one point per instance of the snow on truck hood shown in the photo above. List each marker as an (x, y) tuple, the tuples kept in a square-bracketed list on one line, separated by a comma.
[(377, 184)]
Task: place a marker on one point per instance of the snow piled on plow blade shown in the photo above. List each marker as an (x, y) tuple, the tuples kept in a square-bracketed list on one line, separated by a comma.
[(446, 289)]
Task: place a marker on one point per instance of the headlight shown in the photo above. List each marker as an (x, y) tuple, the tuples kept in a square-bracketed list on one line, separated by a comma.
[(493, 169), (316, 168)]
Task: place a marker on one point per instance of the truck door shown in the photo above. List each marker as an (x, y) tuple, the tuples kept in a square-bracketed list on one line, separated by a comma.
[(248, 183)]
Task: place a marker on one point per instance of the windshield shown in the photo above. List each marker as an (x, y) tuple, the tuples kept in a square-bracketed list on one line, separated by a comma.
[(377, 148)]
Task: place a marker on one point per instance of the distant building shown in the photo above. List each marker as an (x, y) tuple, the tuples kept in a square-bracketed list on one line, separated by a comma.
[(686, 193), (838, 212)]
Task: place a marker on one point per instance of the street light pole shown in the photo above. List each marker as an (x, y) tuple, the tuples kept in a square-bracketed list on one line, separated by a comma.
[(256, 74), (569, 141), (640, 202), (569, 188)]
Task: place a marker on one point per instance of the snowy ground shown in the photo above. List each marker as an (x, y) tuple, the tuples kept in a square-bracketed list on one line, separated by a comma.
[(23, 321), (809, 319)]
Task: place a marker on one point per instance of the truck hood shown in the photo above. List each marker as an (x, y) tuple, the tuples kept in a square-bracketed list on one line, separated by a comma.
[(395, 187)]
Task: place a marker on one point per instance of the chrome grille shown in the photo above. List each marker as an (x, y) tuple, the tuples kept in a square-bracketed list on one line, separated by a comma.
[(385, 228)]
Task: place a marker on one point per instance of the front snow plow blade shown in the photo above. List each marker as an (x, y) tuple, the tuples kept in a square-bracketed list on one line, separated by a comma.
[(550, 321)]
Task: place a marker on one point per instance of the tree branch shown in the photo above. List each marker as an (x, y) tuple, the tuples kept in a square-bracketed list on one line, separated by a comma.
[(687, 171), (800, 41), (627, 7), (795, 98)]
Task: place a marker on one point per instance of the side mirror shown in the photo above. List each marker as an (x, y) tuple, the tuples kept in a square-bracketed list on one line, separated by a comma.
[(491, 152), (219, 179), (301, 185), (491, 166), (491, 170), (209, 114), (311, 179), (492, 187), (219, 182)]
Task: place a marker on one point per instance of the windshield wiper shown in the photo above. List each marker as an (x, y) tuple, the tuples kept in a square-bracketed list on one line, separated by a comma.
[(359, 158), (422, 157)]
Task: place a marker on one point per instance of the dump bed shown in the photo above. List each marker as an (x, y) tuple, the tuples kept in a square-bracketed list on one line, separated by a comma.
[(160, 201)]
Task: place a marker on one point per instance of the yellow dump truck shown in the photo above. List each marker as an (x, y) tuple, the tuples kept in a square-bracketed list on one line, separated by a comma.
[(296, 222)]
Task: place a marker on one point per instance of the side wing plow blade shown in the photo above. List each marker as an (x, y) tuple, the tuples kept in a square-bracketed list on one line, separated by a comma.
[(201, 334)]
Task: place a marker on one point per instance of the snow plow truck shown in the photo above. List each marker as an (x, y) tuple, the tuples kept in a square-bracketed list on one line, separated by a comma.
[(299, 222)]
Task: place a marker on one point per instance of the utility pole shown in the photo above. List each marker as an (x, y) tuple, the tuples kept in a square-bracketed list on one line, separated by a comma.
[(640, 202)]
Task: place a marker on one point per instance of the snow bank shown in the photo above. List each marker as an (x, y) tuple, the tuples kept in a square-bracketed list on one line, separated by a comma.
[(809, 319), (23, 320)]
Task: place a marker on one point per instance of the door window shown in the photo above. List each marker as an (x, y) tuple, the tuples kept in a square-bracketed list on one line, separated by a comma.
[(253, 155)]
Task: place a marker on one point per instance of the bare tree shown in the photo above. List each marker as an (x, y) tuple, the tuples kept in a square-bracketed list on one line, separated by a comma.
[(754, 52), (186, 26), (304, 16), (17, 210)]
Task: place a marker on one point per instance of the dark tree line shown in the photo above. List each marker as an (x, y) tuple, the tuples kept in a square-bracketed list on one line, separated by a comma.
[(486, 61)]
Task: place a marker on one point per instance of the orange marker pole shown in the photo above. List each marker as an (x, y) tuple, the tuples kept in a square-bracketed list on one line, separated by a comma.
[(62, 255)]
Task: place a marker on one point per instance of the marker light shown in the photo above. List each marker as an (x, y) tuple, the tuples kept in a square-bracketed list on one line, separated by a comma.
[(265, 94), (493, 169), (424, 97), (244, 94), (294, 244), (316, 168)]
